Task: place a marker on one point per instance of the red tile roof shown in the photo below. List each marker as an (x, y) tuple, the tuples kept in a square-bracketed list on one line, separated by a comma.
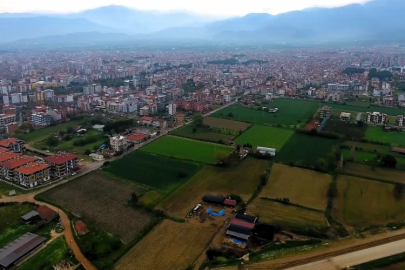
[(17, 162), (243, 223), (60, 158), (7, 155), (80, 226), (45, 212), (230, 202), (6, 143), (32, 168), (2, 150), (136, 137), (146, 118)]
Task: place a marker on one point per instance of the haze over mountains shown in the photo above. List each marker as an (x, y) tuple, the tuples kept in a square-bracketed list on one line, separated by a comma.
[(378, 21)]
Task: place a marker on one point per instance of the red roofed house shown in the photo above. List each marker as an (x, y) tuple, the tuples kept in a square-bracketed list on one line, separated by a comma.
[(46, 213), (7, 167), (146, 120), (62, 163), (136, 138), (80, 227), (32, 174), (13, 144)]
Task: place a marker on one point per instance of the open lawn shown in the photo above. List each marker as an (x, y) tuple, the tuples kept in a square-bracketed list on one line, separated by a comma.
[(383, 149), (45, 132), (55, 252), (169, 245), (370, 158), (303, 187), (287, 216), (265, 137), (241, 180), (186, 149), (224, 123), (351, 131), (305, 149), (6, 187), (377, 134), (156, 171), (102, 201), (362, 203), (290, 112), (203, 134), (385, 174)]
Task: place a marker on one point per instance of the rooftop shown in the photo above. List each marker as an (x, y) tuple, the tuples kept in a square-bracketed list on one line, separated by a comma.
[(17, 162), (32, 168), (6, 142), (7, 155), (136, 137), (45, 212), (60, 158)]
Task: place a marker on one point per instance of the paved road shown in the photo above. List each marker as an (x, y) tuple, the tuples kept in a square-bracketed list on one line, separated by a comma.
[(355, 258)]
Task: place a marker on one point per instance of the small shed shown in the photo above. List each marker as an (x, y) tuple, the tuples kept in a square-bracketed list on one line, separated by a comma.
[(213, 199), (81, 227), (228, 202), (46, 213), (31, 216)]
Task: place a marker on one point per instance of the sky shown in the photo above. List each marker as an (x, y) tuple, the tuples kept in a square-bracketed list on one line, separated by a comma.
[(226, 8)]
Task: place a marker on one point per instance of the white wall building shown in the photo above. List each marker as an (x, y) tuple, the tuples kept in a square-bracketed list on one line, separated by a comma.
[(41, 119), (375, 118), (172, 109), (118, 143)]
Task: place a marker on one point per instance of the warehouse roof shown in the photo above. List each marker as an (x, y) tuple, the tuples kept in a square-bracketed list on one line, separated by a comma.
[(238, 235), (247, 218), (239, 229), (213, 199), (30, 215), (243, 223)]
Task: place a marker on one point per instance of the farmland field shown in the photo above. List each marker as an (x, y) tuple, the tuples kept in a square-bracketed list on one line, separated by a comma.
[(186, 149), (103, 201), (362, 203), (45, 132), (351, 131), (242, 180), (383, 149), (169, 246), (223, 123), (159, 172), (265, 137), (290, 112), (304, 187), (361, 170), (370, 158), (305, 149), (377, 134), (284, 215), (201, 134)]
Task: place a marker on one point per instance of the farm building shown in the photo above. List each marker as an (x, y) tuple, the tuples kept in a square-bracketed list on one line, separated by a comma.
[(247, 218), (18, 249), (46, 213), (81, 227), (213, 199), (241, 227), (31, 216), (266, 150), (228, 202)]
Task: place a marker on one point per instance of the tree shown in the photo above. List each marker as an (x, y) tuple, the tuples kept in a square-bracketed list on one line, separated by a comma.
[(230, 114), (51, 141), (221, 157), (87, 152), (70, 130), (360, 123), (198, 119), (194, 129), (399, 191), (322, 165), (313, 131), (389, 161), (134, 198)]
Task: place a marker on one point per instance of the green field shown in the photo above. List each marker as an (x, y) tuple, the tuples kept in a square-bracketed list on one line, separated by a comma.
[(290, 112), (386, 110), (45, 132), (379, 173), (351, 131), (158, 172), (52, 254), (305, 149), (265, 137), (377, 134), (186, 149), (6, 187), (382, 149), (203, 134), (370, 158), (362, 203)]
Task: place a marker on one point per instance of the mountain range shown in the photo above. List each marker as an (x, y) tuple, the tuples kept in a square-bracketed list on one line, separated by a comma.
[(376, 21)]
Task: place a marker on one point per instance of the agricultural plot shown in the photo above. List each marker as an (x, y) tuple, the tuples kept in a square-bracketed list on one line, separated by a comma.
[(203, 134), (362, 203), (186, 149), (371, 159), (303, 187), (351, 131), (223, 123), (290, 112), (45, 132), (382, 149), (242, 180), (379, 135), (285, 215), (102, 201), (159, 172), (265, 137), (169, 246), (391, 175), (305, 149)]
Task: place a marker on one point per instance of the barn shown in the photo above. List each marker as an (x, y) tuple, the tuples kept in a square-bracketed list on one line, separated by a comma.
[(213, 199)]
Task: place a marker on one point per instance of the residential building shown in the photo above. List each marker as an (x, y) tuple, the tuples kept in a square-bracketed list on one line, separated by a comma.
[(326, 112), (345, 117), (13, 144), (6, 119), (41, 119), (375, 118), (62, 164), (7, 167), (12, 127), (338, 87), (179, 119), (33, 174), (4, 156), (400, 120), (172, 108), (145, 120), (136, 138), (118, 143)]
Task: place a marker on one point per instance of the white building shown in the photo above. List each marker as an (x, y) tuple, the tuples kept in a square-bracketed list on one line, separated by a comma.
[(266, 150), (48, 93), (375, 118), (172, 109), (345, 117), (16, 98), (326, 112), (118, 143), (41, 119), (6, 99), (338, 87), (6, 119), (400, 120)]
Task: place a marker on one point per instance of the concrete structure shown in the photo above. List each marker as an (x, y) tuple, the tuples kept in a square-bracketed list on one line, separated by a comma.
[(118, 143), (338, 87), (41, 119), (400, 120), (172, 109), (6, 119), (375, 118), (326, 112), (345, 117), (32, 174), (7, 167), (62, 164)]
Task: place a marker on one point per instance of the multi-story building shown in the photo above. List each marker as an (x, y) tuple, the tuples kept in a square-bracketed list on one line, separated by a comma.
[(326, 112), (345, 117), (400, 120), (4, 156), (375, 118), (118, 143), (172, 109), (7, 167), (41, 119), (62, 164), (338, 87), (179, 119), (12, 128), (13, 145), (6, 119), (33, 174)]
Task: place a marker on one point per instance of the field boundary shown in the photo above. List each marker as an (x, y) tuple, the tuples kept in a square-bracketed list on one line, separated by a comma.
[(370, 178), (292, 204)]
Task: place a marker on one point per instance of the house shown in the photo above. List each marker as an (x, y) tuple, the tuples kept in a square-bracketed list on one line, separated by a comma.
[(19, 248), (118, 143), (32, 174), (46, 213), (13, 144), (326, 112), (145, 120), (80, 227), (345, 117), (62, 163), (375, 118), (136, 138), (7, 167), (400, 120), (267, 151)]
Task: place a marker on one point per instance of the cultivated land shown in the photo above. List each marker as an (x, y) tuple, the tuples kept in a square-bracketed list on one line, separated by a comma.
[(223, 123), (45, 132), (377, 134), (102, 201), (303, 187), (156, 171), (265, 137), (186, 149), (383, 149), (169, 245), (285, 215), (396, 176), (290, 112), (305, 149), (351, 131), (203, 134), (241, 180), (362, 203), (370, 158)]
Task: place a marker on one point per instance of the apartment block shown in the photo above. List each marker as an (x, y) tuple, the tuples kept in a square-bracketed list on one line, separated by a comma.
[(375, 118), (41, 119), (13, 145), (400, 120), (326, 112), (62, 164), (33, 174)]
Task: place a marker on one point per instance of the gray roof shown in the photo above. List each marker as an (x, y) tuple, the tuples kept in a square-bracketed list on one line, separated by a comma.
[(358, 118), (238, 235), (30, 215), (19, 248)]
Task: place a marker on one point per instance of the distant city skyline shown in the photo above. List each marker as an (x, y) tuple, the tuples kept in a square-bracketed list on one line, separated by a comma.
[(224, 8)]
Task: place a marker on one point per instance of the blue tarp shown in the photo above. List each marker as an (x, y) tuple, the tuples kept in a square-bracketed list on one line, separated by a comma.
[(220, 214), (208, 211), (236, 241), (102, 147)]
